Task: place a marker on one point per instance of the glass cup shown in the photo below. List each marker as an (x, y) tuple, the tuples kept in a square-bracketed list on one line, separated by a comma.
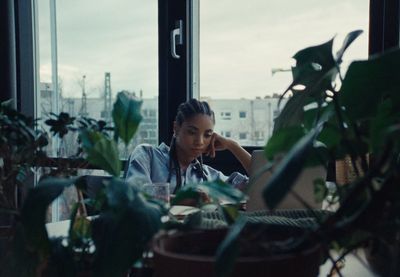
[(158, 191)]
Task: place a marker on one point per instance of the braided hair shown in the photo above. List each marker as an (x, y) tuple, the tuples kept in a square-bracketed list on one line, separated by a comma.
[(186, 111)]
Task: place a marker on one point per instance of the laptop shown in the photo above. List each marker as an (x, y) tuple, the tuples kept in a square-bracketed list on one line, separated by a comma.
[(304, 186)]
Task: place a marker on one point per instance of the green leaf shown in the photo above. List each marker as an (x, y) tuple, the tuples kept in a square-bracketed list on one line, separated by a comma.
[(126, 116), (313, 64), (101, 151), (228, 250), (33, 213), (330, 136), (320, 190), (282, 141), (346, 43), (381, 124), (130, 219), (368, 83), (288, 170), (186, 193), (119, 194), (292, 113)]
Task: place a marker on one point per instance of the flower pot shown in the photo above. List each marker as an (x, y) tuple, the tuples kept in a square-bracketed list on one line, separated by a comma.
[(192, 254)]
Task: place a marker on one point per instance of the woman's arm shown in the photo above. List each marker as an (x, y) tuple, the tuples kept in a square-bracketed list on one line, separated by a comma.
[(138, 170), (221, 143)]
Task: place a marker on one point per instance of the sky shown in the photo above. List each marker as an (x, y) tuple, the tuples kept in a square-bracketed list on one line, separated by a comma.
[(241, 42)]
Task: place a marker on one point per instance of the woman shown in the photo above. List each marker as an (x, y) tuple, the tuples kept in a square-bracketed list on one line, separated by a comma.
[(182, 163)]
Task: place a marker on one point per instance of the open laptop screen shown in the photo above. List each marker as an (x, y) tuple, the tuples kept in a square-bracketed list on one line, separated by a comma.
[(304, 185)]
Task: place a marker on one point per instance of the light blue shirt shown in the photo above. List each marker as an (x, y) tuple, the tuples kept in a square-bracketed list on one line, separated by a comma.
[(149, 164)]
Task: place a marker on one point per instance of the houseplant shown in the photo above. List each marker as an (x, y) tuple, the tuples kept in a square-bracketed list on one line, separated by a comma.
[(21, 147), (107, 245), (330, 117)]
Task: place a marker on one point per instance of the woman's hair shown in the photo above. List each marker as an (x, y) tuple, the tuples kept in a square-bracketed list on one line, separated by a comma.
[(186, 111), (192, 108)]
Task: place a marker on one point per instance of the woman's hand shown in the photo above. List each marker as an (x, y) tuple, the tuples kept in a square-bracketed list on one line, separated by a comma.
[(217, 143), (221, 143)]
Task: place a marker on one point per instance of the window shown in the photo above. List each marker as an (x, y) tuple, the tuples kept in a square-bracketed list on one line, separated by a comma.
[(228, 134), (88, 52), (226, 115), (259, 135), (246, 50), (242, 136), (87, 57)]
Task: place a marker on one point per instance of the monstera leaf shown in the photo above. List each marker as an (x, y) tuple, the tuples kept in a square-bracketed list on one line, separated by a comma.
[(126, 115), (316, 68), (289, 170), (368, 83)]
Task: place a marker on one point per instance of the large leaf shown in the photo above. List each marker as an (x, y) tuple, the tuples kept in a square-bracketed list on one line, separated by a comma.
[(292, 112), (312, 63), (228, 250), (130, 219), (101, 151), (346, 43), (288, 170), (33, 213), (368, 83), (386, 118), (126, 115), (282, 141)]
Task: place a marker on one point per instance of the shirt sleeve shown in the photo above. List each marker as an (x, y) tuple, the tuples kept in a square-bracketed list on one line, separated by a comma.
[(139, 168), (238, 180)]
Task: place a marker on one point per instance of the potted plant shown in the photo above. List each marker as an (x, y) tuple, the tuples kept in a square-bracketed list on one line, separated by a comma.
[(332, 116), (106, 245), (21, 148), (237, 238)]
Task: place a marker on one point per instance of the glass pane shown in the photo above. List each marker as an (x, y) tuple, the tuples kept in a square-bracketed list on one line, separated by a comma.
[(103, 47), (246, 50), (96, 48)]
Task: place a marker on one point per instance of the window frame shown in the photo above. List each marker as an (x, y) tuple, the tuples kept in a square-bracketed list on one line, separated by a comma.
[(176, 77)]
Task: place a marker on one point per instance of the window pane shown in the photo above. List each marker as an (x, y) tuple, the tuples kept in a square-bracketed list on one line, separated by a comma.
[(246, 50), (99, 48), (103, 47)]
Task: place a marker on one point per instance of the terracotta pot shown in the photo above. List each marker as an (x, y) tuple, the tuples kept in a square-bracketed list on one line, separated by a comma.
[(172, 257)]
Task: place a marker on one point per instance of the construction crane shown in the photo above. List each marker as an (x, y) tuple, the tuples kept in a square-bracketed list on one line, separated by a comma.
[(83, 111), (106, 113)]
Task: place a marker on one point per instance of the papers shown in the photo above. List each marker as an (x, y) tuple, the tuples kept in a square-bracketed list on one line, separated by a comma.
[(180, 212)]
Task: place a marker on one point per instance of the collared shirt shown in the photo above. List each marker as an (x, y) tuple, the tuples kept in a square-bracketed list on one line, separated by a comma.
[(149, 164)]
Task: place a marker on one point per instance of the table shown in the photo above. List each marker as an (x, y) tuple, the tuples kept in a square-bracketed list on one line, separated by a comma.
[(355, 264)]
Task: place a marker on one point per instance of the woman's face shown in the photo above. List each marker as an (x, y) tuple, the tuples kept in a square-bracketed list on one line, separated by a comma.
[(194, 135)]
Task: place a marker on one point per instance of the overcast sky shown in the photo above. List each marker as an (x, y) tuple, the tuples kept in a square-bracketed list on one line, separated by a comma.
[(240, 42)]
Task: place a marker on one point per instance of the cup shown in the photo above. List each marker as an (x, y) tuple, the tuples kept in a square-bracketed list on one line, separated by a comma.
[(159, 191)]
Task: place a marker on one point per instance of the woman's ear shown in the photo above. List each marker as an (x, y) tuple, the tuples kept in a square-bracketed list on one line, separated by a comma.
[(175, 128)]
